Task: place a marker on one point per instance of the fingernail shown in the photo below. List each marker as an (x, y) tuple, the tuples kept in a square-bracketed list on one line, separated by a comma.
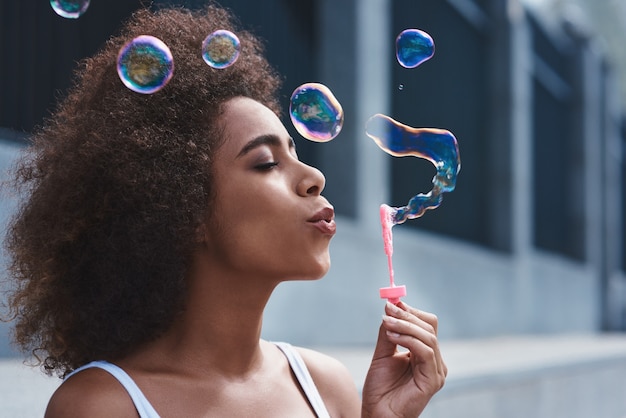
[(393, 307), (390, 319), (392, 334)]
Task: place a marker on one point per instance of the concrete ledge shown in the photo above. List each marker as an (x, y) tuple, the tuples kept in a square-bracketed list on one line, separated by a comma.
[(24, 390), (508, 377), (525, 376)]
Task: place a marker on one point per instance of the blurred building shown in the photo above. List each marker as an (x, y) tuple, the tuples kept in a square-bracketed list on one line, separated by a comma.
[(531, 242)]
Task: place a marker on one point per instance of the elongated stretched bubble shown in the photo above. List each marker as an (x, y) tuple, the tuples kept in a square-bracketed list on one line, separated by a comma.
[(438, 146)]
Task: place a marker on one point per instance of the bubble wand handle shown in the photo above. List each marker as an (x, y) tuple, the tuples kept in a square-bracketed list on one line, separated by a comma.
[(392, 293)]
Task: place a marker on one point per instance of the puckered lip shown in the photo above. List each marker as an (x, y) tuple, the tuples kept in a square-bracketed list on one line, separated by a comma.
[(326, 214), (324, 220)]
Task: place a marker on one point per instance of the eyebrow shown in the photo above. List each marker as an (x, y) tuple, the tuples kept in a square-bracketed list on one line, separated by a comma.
[(271, 140)]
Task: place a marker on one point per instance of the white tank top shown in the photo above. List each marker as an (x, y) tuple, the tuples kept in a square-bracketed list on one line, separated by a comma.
[(145, 409)]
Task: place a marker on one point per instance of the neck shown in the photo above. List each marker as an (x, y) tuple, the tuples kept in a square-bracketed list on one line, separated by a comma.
[(220, 329)]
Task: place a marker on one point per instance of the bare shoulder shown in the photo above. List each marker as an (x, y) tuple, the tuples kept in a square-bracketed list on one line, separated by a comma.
[(334, 382), (90, 393)]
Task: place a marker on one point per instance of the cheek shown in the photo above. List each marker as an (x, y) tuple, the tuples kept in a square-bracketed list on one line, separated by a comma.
[(263, 248), (244, 228), (260, 230)]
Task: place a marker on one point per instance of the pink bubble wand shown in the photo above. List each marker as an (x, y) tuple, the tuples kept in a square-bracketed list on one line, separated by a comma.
[(392, 293)]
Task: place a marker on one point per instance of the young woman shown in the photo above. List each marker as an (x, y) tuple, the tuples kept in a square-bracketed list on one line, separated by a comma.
[(153, 232)]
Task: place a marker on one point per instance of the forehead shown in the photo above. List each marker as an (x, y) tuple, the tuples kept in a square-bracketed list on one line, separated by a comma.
[(244, 119)]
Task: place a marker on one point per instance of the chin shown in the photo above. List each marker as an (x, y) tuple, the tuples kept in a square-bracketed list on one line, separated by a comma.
[(316, 273), (323, 270), (312, 267)]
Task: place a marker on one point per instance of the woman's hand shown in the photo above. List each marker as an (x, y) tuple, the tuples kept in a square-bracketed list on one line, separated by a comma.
[(400, 384)]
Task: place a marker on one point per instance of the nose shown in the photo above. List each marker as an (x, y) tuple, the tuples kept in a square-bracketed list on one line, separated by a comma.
[(312, 181)]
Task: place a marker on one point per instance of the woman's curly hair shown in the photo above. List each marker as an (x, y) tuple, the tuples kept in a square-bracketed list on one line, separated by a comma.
[(116, 185)]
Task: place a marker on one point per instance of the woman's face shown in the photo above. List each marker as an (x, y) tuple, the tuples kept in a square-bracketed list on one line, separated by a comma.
[(269, 216)]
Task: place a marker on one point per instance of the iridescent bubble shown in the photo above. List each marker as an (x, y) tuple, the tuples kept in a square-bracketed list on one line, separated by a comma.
[(438, 146), (69, 9), (315, 112), (221, 49), (413, 47), (145, 64)]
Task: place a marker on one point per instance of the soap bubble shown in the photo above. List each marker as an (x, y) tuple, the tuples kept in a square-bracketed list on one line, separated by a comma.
[(69, 9), (221, 49), (438, 146), (145, 64), (315, 112), (413, 47)]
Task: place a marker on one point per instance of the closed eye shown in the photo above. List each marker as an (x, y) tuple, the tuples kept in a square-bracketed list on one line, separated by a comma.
[(266, 166)]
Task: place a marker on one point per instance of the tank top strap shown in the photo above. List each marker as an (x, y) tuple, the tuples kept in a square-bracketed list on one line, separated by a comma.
[(143, 406), (304, 379), (145, 409)]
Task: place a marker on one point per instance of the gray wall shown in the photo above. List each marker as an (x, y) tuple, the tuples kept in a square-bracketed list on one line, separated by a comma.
[(547, 263), (8, 152), (506, 283)]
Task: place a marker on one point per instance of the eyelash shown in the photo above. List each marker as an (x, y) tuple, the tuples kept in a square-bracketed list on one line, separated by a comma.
[(266, 166)]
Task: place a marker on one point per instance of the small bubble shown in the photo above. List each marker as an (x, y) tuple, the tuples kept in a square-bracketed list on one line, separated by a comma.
[(69, 9), (413, 47), (145, 64), (401, 87), (315, 112), (221, 49)]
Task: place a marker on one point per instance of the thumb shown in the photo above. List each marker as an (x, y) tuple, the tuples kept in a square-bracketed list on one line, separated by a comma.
[(384, 347)]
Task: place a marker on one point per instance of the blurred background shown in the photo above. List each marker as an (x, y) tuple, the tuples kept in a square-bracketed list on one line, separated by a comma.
[(524, 263)]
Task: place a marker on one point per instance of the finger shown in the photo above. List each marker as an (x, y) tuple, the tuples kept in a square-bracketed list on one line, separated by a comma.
[(415, 316), (433, 321), (427, 317), (410, 329), (424, 357), (384, 346), (415, 329)]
